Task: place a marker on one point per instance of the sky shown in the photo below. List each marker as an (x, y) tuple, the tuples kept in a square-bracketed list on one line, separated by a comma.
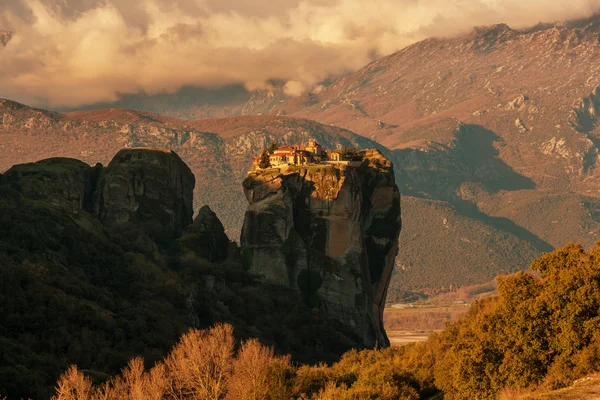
[(68, 53)]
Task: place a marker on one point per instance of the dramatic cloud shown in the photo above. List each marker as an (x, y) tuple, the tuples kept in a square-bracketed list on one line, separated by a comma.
[(73, 52)]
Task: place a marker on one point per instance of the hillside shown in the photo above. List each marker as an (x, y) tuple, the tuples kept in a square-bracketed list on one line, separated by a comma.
[(499, 123)]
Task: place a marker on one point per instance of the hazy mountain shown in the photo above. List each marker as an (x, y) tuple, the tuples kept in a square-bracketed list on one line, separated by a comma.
[(200, 102)]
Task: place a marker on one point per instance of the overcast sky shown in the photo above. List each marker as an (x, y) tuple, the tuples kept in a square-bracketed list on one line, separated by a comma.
[(75, 52)]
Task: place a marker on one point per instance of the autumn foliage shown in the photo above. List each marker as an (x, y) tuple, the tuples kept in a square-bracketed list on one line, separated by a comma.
[(541, 331), (204, 365), (207, 365)]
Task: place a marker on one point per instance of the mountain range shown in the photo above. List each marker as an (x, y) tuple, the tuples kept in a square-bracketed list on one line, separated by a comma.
[(493, 135)]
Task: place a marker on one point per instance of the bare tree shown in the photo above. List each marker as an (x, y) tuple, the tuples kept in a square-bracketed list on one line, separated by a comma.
[(200, 364), (73, 385), (249, 380)]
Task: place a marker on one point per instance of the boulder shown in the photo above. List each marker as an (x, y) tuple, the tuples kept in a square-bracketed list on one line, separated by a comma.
[(331, 233)]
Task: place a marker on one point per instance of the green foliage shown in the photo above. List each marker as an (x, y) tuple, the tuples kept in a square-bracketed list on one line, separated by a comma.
[(272, 147), (538, 330)]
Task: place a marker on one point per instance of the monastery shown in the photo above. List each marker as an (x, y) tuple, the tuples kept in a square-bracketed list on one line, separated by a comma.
[(313, 153)]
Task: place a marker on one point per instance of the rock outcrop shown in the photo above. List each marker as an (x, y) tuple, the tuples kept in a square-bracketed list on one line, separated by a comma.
[(206, 236), (585, 112), (5, 37), (152, 187), (329, 232), (64, 182)]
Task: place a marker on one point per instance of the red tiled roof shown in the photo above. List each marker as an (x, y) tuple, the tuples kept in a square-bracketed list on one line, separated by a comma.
[(282, 154)]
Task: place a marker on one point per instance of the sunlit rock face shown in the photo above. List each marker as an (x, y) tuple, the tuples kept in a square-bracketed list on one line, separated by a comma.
[(330, 232)]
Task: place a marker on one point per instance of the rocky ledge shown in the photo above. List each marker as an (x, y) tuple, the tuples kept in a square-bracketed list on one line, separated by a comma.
[(331, 233)]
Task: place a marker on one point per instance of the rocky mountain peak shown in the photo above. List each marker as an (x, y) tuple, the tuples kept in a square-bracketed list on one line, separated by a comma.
[(262, 101), (498, 30)]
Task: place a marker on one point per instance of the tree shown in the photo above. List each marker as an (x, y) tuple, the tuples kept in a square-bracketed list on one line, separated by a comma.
[(265, 162), (272, 147)]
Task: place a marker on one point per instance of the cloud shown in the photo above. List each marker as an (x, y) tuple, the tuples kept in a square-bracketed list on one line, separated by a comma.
[(75, 52)]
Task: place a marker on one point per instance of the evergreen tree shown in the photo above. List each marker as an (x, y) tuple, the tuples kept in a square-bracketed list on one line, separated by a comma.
[(265, 162)]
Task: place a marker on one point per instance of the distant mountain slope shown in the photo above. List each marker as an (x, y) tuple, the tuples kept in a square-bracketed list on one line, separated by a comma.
[(219, 152), (477, 78), (536, 90), (502, 124)]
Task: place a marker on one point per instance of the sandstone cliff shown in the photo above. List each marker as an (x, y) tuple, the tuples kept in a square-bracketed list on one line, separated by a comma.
[(329, 232)]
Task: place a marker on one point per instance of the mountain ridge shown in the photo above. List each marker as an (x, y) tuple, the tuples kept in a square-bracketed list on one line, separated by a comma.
[(219, 152)]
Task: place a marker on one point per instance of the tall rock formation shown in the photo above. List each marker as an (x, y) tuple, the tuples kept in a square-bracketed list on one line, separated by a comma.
[(206, 236), (330, 232), (60, 183), (63, 182), (147, 186)]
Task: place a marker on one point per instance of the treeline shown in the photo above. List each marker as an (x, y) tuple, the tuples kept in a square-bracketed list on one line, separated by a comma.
[(542, 330)]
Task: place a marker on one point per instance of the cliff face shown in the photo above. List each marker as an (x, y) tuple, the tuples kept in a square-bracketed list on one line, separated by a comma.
[(147, 185), (329, 232)]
